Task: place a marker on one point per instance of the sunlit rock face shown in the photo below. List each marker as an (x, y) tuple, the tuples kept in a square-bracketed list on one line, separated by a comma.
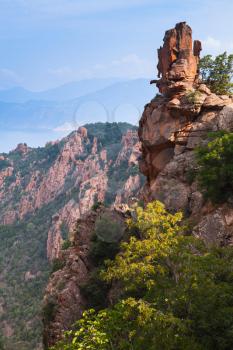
[(178, 60), (173, 124), (72, 175)]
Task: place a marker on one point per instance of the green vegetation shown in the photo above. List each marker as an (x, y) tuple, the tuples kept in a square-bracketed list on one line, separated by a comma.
[(105, 245), (96, 291), (23, 249), (4, 163), (175, 292), (108, 229), (215, 160), (64, 231), (102, 250), (57, 265), (96, 205), (48, 311), (217, 73), (108, 133), (66, 245), (193, 97)]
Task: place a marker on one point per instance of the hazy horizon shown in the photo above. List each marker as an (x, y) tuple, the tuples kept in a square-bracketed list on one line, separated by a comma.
[(46, 44)]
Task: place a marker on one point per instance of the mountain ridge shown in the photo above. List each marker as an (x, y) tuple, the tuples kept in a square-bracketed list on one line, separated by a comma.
[(43, 191)]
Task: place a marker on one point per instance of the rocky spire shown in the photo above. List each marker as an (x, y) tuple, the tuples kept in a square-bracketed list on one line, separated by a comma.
[(172, 126), (178, 60)]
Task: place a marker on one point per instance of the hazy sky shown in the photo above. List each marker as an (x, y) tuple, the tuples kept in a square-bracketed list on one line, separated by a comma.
[(44, 43)]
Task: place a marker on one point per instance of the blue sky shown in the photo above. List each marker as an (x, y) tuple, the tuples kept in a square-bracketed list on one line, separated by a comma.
[(45, 43)]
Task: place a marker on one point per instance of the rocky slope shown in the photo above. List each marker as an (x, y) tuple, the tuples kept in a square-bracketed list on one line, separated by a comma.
[(172, 125), (43, 192)]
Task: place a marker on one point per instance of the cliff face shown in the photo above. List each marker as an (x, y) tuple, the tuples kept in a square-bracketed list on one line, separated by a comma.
[(172, 125), (64, 300), (80, 170), (43, 193)]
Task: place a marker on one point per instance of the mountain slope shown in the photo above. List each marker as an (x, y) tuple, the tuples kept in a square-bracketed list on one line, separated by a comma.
[(43, 192)]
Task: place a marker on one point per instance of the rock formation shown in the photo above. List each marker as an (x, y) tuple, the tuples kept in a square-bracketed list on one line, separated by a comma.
[(178, 60), (173, 124), (64, 294), (79, 172)]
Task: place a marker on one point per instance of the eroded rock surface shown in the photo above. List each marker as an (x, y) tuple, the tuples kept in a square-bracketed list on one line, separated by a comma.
[(178, 60), (73, 173), (173, 124), (64, 298)]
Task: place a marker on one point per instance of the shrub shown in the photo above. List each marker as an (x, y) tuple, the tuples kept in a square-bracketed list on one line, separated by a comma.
[(193, 97), (57, 265), (4, 163), (215, 174), (217, 73), (66, 245), (49, 310), (64, 230), (108, 229), (95, 291), (100, 251), (96, 205)]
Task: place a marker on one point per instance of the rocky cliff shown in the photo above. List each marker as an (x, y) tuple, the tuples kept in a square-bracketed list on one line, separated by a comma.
[(43, 193), (65, 299), (80, 168), (172, 125)]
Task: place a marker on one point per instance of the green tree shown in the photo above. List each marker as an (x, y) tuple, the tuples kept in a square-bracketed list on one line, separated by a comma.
[(217, 73), (176, 293), (215, 160), (108, 229), (2, 347)]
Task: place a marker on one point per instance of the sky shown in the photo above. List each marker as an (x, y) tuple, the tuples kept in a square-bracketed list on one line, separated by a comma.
[(46, 43)]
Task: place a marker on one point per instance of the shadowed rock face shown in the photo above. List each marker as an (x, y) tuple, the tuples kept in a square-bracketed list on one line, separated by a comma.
[(172, 125), (64, 294), (178, 60)]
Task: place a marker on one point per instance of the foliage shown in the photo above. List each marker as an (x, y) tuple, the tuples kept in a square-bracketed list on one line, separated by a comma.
[(101, 251), (4, 163), (217, 73), (96, 205), (22, 249), (49, 310), (58, 264), (95, 290), (64, 231), (66, 245), (2, 347), (108, 229), (108, 133), (216, 167), (176, 292), (193, 96)]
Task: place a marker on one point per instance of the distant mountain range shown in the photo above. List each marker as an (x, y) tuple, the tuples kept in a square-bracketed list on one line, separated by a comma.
[(53, 113), (61, 93)]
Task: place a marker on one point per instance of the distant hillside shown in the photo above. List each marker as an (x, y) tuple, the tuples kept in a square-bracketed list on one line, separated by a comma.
[(43, 192)]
